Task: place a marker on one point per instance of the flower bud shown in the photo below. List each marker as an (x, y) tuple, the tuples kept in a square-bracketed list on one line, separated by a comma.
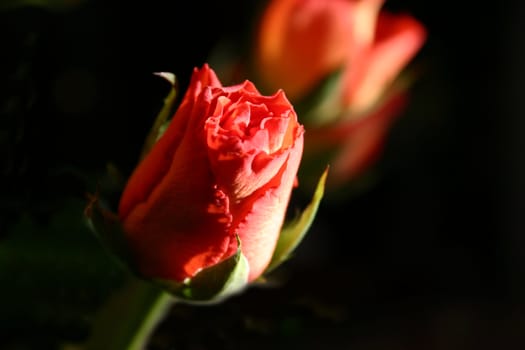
[(202, 213)]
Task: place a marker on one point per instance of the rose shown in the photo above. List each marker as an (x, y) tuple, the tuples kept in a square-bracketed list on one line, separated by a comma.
[(222, 171), (301, 42), (340, 62), (204, 212)]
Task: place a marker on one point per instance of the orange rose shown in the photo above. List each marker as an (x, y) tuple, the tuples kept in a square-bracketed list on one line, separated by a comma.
[(302, 44), (223, 169)]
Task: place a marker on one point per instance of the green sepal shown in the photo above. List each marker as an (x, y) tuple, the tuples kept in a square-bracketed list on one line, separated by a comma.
[(295, 230), (322, 105), (161, 121), (208, 286), (107, 228), (213, 284)]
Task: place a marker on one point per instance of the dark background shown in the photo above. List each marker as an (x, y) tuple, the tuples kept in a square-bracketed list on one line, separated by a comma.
[(430, 257)]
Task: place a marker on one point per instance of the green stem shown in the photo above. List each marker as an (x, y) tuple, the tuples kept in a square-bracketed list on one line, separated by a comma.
[(129, 317)]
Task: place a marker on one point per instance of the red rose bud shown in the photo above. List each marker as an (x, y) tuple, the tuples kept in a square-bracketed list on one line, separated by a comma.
[(338, 61), (210, 196)]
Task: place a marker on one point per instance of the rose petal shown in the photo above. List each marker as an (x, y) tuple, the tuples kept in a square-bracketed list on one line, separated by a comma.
[(398, 39)]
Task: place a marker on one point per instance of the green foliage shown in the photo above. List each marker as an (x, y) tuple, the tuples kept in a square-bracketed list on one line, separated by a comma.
[(322, 105), (162, 119), (294, 231), (53, 275)]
